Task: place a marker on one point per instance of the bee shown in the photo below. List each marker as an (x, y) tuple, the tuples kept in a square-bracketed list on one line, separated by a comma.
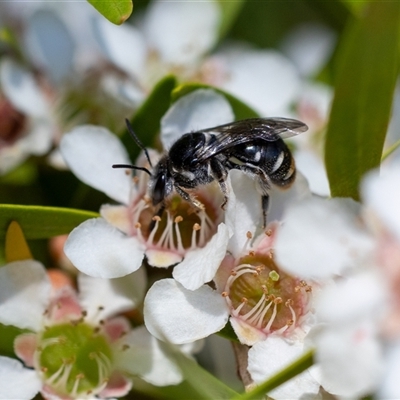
[(253, 145)]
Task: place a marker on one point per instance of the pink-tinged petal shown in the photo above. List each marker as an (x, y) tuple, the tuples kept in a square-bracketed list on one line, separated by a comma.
[(23, 286), (64, 306), (383, 197), (20, 87), (200, 266), (266, 80), (117, 216), (177, 315), (181, 32), (162, 258), (25, 346), (102, 298), (116, 327), (117, 386), (246, 333), (203, 108), (17, 382), (124, 46), (224, 272), (90, 151), (98, 249), (321, 238), (139, 353), (268, 357), (351, 360)]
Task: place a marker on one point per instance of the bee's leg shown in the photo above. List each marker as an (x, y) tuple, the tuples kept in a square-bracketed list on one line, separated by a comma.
[(265, 206), (219, 173), (186, 196)]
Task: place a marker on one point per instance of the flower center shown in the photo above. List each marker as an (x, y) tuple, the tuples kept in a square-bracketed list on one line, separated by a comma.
[(11, 122), (74, 359), (181, 226), (265, 297)]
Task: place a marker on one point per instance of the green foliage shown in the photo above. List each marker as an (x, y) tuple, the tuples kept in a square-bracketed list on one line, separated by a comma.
[(365, 80), (116, 11), (230, 11), (41, 222)]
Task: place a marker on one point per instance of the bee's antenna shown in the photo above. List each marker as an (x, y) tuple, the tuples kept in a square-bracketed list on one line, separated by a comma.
[(131, 167), (138, 142)]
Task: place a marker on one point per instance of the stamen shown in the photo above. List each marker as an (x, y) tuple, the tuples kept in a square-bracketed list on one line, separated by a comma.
[(196, 227), (75, 388), (157, 220), (178, 233)]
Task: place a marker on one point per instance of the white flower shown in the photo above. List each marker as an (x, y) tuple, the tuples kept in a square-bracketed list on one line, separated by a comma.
[(359, 315), (26, 126), (115, 244), (105, 350)]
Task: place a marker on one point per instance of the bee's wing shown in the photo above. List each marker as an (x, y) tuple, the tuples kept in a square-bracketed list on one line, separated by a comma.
[(245, 131)]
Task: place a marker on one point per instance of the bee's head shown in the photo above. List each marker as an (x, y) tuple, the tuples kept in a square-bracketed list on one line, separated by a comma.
[(161, 183)]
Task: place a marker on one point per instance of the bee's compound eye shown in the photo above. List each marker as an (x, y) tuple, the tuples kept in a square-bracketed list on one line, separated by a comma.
[(159, 189)]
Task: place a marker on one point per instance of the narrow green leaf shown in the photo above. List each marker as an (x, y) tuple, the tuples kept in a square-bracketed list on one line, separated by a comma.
[(230, 10), (41, 222), (297, 367), (207, 385), (146, 121), (116, 11), (240, 109), (365, 80)]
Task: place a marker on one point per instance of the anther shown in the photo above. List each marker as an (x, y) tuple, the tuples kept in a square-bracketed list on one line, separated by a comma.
[(224, 294), (249, 235), (268, 232), (196, 227), (138, 225), (178, 219), (156, 218)]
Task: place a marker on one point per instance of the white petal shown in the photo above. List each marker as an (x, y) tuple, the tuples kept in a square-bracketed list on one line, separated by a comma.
[(146, 357), (103, 298), (23, 286), (383, 196), (203, 108), (265, 80), (162, 259), (358, 297), (321, 238), (90, 151), (312, 167), (268, 357), (247, 334), (117, 216), (123, 45), (182, 31), (390, 388), (244, 212), (39, 139), (350, 359), (199, 266), (21, 89), (98, 249), (50, 43), (17, 382), (309, 46), (177, 315)]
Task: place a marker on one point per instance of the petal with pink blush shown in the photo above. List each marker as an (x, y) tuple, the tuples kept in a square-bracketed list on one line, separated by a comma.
[(25, 346), (64, 306), (116, 327), (117, 386)]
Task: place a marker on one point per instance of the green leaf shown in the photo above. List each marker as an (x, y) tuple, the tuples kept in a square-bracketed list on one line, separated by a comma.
[(297, 367), (146, 121), (41, 222), (365, 81), (8, 333), (116, 11), (230, 10), (240, 109)]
